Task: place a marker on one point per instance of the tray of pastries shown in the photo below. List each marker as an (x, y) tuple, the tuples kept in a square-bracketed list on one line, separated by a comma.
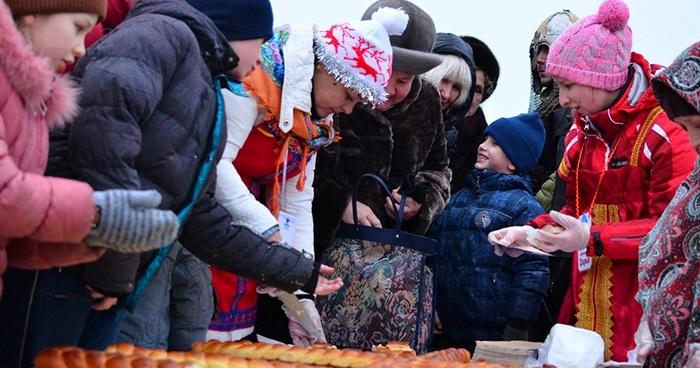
[(245, 354)]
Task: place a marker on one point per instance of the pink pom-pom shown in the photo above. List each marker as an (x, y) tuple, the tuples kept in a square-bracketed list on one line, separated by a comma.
[(613, 14)]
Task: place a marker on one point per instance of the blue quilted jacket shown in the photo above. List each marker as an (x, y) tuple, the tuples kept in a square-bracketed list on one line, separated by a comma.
[(477, 292)]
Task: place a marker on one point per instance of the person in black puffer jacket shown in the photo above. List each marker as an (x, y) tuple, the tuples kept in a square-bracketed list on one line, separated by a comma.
[(147, 113)]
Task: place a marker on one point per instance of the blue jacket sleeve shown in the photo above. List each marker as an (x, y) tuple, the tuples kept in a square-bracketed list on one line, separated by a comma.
[(530, 275)]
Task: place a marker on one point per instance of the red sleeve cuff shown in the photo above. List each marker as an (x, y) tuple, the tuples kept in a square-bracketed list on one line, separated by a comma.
[(542, 221)]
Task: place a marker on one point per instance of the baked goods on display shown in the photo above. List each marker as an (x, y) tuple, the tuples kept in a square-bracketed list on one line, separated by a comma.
[(393, 354), (245, 354), (529, 244), (396, 348), (72, 357), (448, 355)]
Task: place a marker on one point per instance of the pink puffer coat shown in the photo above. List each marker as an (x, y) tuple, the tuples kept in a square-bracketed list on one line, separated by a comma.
[(42, 219)]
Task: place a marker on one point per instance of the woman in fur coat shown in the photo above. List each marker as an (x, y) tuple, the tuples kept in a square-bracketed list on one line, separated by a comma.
[(403, 137), (402, 141)]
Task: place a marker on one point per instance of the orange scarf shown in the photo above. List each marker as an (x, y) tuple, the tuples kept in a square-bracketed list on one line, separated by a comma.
[(309, 135)]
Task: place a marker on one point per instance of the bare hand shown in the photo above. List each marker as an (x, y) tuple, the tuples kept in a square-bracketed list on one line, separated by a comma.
[(410, 210), (325, 285), (438, 325), (100, 301), (275, 237), (365, 215)]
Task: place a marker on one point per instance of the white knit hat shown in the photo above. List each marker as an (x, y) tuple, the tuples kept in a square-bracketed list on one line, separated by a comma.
[(359, 54)]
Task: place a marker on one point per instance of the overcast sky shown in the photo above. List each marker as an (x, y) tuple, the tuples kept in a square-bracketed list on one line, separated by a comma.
[(661, 29)]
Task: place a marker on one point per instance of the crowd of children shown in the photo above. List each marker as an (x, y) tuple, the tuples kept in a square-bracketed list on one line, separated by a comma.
[(182, 175)]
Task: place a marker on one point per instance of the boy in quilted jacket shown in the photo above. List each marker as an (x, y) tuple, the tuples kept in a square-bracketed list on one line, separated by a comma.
[(479, 295)]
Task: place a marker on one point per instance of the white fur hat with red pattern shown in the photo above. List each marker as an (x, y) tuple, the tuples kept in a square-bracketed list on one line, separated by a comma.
[(359, 54)]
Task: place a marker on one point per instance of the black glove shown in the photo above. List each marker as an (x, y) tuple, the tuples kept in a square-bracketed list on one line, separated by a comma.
[(417, 191)]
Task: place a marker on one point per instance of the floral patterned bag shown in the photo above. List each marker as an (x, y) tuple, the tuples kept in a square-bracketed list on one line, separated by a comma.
[(387, 292)]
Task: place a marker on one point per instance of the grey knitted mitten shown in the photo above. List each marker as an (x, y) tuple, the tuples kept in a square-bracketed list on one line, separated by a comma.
[(130, 221)]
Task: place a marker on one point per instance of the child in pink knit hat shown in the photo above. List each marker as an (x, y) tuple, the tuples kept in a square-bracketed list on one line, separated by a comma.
[(623, 160), (596, 50)]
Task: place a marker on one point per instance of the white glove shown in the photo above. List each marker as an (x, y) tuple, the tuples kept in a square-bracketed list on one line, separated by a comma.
[(694, 358), (574, 236), (502, 239), (301, 337), (644, 344)]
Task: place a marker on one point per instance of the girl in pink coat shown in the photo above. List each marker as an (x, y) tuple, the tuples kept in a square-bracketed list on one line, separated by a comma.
[(44, 221)]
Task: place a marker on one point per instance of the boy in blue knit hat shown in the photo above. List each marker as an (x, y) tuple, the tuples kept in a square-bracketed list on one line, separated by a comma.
[(480, 295)]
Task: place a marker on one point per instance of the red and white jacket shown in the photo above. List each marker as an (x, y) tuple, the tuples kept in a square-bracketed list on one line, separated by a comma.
[(647, 157)]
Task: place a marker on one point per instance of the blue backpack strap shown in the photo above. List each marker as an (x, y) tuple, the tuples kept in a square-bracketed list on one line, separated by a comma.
[(204, 170)]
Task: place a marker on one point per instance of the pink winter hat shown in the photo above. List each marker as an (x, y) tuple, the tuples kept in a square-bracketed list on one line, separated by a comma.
[(596, 50)]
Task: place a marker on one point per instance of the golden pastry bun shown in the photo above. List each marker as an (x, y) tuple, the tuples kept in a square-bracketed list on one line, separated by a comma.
[(449, 355), (552, 229)]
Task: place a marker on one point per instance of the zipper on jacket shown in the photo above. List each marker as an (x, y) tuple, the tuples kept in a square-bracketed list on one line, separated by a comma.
[(586, 127), (627, 238)]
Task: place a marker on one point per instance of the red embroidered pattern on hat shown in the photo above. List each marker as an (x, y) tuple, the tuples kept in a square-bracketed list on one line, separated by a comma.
[(354, 61)]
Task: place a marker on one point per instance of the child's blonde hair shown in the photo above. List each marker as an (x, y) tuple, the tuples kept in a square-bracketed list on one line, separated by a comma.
[(455, 69)]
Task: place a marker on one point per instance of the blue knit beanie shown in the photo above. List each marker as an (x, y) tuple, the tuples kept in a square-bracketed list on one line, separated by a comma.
[(521, 138), (238, 19)]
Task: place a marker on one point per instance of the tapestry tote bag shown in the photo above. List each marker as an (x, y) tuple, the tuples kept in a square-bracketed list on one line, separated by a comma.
[(387, 292)]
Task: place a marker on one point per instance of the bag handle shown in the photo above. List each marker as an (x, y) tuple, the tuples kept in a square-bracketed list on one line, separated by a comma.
[(398, 211)]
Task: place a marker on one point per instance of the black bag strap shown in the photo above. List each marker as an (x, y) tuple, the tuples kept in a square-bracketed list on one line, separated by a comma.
[(382, 184), (396, 236)]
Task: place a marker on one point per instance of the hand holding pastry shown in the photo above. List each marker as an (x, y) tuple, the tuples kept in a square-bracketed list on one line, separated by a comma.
[(574, 235), (506, 240)]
